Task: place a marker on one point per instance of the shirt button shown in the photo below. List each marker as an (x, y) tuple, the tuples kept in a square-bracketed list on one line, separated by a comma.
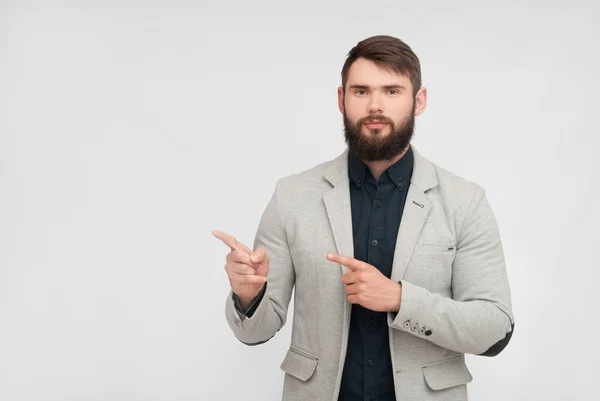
[(374, 242), (371, 362), (379, 203), (371, 321)]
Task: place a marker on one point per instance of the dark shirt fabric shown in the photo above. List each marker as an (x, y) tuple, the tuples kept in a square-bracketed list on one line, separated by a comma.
[(377, 208)]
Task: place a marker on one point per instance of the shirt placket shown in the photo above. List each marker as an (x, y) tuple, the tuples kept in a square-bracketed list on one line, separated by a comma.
[(375, 258)]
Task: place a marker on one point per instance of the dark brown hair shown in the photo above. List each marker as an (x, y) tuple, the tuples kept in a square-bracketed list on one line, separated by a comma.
[(388, 52)]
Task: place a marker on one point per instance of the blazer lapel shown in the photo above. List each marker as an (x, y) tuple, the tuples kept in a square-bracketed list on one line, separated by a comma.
[(337, 203), (416, 209)]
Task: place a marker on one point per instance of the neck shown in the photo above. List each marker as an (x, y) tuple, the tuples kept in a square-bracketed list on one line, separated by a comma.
[(379, 166)]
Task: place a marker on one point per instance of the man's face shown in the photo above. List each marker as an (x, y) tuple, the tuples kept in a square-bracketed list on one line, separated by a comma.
[(379, 111)]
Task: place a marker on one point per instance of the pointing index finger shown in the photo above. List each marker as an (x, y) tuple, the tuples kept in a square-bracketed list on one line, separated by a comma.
[(230, 241), (347, 261)]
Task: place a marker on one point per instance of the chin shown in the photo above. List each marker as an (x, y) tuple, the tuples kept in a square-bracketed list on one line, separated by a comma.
[(378, 132)]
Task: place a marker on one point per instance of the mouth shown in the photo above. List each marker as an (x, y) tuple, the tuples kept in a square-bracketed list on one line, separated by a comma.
[(375, 124)]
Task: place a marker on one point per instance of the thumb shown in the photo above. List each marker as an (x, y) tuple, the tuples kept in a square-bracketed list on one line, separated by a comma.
[(260, 256)]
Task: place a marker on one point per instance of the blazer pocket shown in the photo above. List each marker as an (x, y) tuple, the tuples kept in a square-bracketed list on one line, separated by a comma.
[(447, 373), (299, 364), (432, 247)]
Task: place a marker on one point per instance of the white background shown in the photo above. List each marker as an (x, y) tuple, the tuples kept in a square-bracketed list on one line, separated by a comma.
[(130, 130)]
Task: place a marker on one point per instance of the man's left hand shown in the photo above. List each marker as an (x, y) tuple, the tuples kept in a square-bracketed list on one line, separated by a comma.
[(367, 286)]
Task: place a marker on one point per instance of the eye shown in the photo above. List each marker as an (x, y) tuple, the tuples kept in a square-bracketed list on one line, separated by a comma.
[(360, 92), (394, 92)]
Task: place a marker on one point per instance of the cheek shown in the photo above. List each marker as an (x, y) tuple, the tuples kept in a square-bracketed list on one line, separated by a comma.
[(400, 113), (354, 112)]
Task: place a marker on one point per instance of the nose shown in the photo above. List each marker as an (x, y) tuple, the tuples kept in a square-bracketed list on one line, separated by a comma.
[(374, 105)]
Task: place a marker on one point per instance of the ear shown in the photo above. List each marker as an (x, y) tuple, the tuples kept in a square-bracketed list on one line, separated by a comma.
[(420, 101), (340, 92)]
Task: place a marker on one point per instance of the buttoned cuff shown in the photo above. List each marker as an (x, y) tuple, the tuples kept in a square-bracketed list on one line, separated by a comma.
[(411, 318)]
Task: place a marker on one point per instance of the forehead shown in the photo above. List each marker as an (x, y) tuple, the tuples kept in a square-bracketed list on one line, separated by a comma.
[(366, 72)]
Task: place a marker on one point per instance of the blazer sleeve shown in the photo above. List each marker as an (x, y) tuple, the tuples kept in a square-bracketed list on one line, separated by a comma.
[(270, 311), (478, 318)]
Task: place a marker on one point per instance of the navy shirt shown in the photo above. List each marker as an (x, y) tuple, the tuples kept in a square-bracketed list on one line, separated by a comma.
[(376, 213)]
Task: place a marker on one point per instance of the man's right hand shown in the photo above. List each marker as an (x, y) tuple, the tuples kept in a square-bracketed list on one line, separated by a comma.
[(247, 270)]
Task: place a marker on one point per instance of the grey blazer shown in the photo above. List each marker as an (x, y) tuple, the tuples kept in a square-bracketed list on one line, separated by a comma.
[(448, 257)]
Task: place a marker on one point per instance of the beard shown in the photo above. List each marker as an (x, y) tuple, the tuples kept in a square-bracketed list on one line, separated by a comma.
[(375, 146)]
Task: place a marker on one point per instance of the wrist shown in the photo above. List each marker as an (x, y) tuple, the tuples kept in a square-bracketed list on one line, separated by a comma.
[(246, 302), (396, 297)]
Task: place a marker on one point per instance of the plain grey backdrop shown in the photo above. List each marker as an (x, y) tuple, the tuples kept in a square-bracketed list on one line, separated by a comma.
[(130, 130)]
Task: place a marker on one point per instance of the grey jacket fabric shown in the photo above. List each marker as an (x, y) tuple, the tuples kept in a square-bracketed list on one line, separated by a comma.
[(448, 257)]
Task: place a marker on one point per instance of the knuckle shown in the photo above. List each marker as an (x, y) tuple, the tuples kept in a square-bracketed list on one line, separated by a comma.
[(238, 256), (235, 267), (245, 269)]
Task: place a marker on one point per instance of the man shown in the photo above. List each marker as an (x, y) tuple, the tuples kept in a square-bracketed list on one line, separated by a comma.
[(397, 264)]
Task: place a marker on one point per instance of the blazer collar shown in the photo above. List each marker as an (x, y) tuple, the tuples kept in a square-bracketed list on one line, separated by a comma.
[(423, 175)]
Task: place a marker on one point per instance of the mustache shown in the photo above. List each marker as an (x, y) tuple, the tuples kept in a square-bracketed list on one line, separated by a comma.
[(366, 120)]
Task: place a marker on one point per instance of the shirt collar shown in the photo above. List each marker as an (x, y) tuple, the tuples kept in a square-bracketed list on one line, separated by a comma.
[(399, 172)]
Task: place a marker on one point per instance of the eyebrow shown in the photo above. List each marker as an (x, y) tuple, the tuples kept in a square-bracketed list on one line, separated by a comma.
[(386, 87)]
